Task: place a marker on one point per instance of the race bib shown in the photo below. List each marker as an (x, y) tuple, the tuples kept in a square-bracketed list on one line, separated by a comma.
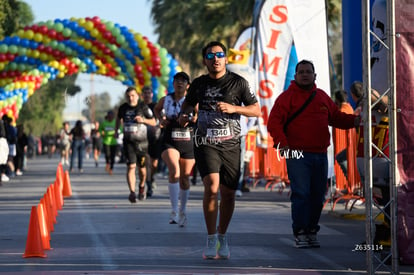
[(219, 133), (136, 132), (131, 129), (179, 134)]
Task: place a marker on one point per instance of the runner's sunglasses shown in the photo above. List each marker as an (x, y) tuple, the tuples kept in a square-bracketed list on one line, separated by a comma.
[(211, 56)]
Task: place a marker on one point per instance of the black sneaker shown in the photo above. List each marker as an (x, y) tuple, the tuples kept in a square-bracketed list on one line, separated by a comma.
[(313, 240), (301, 241), (132, 198), (141, 194)]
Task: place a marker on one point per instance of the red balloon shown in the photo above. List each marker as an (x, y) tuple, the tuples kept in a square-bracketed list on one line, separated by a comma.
[(43, 29), (96, 19), (52, 33)]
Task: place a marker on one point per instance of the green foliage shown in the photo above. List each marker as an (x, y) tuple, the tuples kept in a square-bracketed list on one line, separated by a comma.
[(14, 14), (184, 27)]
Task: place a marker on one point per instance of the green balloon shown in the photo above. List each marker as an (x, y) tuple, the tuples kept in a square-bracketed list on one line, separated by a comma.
[(66, 32), (13, 49), (22, 51), (3, 48), (68, 51), (61, 47), (54, 44), (50, 24), (59, 27), (13, 66), (22, 67)]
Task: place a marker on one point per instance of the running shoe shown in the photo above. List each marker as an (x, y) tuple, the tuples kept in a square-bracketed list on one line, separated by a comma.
[(313, 240), (301, 240), (223, 247), (210, 251), (141, 194), (173, 218), (182, 219), (5, 178), (132, 197)]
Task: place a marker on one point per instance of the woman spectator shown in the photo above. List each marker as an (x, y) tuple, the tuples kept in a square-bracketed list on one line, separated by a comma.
[(78, 145)]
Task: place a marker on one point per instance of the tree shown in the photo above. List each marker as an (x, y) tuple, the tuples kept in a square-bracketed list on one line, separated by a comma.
[(184, 27), (43, 111), (101, 103), (14, 15)]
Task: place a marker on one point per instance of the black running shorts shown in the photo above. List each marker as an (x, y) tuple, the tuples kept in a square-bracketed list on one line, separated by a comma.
[(215, 160)]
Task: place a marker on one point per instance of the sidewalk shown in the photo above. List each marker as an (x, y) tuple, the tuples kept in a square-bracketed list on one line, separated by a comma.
[(99, 232)]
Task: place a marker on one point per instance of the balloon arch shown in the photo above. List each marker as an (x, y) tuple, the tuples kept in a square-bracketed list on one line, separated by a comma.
[(54, 49)]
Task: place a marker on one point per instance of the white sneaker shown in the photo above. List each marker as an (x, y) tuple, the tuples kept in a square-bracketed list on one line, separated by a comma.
[(19, 173), (182, 219), (223, 247), (173, 218), (210, 251), (4, 178), (239, 193)]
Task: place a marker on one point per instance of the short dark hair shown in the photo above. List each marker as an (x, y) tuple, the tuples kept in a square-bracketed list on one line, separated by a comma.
[(130, 88), (147, 88), (341, 96), (357, 89), (182, 75), (213, 44), (304, 62)]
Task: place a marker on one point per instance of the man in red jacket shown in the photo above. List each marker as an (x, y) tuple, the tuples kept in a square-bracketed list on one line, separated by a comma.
[(302, 138)]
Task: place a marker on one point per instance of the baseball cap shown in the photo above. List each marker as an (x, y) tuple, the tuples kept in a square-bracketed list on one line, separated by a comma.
[(182, 75)]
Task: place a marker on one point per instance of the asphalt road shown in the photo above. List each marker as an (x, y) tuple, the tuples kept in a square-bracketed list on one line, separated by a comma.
[(98, 231)]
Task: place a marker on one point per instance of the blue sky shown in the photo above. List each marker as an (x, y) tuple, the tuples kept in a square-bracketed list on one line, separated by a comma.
[(134, 14)]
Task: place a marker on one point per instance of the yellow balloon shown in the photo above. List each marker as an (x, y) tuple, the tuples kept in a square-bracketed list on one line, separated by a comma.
[(35, 53), (20, 33), (61, 75), (29, 34), (43, 56), (97, 62), (89, 25), (94, 32), (145, 53), (38, 37), (87, 45)]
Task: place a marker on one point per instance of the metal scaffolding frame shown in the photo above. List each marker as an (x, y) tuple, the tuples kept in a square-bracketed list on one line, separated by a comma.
[(376, 259)]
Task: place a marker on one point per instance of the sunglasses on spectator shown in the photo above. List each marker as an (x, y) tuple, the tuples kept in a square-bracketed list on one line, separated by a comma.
[(211, 56)]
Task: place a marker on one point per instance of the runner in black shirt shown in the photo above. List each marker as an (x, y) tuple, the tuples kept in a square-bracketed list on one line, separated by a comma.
[(222, 97), (135, 116)]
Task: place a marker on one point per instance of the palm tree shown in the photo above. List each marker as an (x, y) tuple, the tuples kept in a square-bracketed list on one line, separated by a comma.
[(184, 27)]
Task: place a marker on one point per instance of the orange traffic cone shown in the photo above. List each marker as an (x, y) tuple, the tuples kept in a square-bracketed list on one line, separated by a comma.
[(67, 189), (51, 203), (34, 240), (49, 212), (58, 195), (60, 175), (44, 230)]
